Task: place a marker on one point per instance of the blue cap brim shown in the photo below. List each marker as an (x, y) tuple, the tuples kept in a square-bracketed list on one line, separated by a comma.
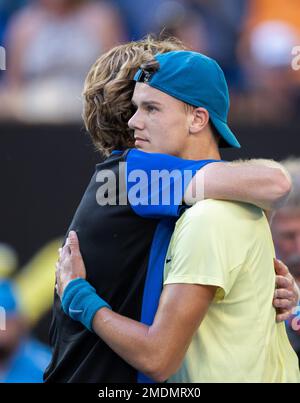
[(229, 139)]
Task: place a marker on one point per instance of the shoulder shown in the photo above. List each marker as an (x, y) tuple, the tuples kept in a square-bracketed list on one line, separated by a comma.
[(154, 161), (217, 217), (216, 210), (165, 161)]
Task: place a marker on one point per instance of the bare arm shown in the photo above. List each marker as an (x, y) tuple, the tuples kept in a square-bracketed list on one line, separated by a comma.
[(264, 183), (155, 350)]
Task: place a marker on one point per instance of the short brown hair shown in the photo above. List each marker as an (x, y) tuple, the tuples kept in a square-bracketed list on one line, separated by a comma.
[(108, 90)]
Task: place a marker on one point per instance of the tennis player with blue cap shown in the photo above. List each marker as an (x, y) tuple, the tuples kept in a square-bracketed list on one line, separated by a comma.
[(215, 321), (196, 80)]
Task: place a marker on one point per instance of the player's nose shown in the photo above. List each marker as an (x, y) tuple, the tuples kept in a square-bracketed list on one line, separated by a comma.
[(136, 121)]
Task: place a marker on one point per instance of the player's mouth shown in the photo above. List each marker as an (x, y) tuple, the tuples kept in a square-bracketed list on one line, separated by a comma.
[(140, 141)]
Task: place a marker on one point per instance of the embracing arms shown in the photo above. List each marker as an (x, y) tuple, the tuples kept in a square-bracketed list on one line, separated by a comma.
[(155, 350), (264, 183)]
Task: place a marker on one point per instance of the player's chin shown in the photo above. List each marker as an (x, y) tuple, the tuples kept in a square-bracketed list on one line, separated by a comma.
[(144, 145)]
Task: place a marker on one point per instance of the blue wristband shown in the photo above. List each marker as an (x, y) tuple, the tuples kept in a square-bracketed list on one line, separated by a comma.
[(80, 302)]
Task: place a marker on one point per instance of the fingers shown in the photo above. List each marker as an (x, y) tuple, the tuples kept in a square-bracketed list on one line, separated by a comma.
[(71, 246), (57, 290), (283, 304), (280, 267), (73, 243), (283, 282), (283, 293), (280, 317), (57, 280), (296, 292), (69, 264), (66, 251)]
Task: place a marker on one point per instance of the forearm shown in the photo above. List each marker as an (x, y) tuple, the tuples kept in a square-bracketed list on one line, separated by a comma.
[(260, 182), (136, 343), (156, 350), (141, 346)]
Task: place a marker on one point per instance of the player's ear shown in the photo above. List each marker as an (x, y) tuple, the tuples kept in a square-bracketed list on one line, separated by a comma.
[(199, 120)]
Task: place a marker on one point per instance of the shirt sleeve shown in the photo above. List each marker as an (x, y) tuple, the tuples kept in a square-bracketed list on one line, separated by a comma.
[(200, 250), (156, 183)]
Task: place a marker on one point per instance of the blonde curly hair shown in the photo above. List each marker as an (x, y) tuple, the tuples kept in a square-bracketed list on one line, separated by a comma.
[(108, 90)]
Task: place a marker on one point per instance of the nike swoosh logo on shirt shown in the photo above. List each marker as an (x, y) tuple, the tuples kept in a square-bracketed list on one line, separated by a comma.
[(168, 260)]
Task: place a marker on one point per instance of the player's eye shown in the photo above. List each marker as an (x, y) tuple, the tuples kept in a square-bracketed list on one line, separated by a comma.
[(151, 108)]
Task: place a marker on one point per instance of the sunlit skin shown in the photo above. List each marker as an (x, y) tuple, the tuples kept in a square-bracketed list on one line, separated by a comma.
[(162, 124), (157, 350)]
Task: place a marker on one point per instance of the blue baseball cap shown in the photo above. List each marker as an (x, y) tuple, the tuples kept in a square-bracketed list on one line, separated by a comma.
[(197, 80)]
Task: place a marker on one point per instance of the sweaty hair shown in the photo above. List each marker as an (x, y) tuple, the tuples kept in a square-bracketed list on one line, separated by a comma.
[(109, 87)]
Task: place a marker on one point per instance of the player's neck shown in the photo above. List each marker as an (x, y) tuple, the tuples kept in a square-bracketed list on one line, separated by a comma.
[(201, 151)]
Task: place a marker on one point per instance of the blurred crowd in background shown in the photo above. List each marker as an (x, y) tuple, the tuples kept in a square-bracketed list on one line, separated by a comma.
[(50, 46)]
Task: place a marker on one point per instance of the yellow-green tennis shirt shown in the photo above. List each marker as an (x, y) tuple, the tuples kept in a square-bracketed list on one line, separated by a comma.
[(229, 245)]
